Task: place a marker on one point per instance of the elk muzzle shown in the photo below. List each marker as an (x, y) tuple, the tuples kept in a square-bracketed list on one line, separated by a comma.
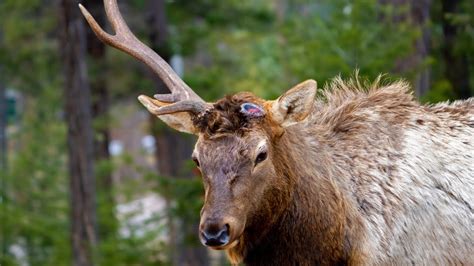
[(220, 232), (215, 234)]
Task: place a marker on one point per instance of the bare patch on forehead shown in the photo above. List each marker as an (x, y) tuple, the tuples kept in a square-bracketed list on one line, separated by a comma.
[(252, 110)]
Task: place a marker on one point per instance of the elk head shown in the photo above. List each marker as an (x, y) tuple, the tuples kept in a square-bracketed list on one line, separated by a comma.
[(237, 136)]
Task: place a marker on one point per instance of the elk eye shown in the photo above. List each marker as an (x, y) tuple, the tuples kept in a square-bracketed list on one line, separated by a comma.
[(261, 157), (196, 161)]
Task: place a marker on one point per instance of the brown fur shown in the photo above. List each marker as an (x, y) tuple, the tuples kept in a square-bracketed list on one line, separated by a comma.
[(337, 187), (225, 117)]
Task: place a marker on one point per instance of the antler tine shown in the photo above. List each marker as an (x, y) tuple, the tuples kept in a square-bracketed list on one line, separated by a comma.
[(189, 106), (126, 41)]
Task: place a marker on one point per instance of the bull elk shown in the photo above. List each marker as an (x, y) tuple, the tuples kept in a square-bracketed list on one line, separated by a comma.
[(361, 175)]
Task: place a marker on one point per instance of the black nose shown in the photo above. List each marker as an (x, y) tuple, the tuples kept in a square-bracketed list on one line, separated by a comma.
[(213, 236)]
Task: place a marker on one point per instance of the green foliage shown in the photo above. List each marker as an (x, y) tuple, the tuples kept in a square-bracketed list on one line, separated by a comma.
[(28, 49), (463, 18), (353, 36), (441, 91), (36, 187), (138, 246), (310, 39)]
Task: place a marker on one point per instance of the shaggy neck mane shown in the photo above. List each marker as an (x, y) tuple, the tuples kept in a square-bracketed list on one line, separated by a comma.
[(345, 116)]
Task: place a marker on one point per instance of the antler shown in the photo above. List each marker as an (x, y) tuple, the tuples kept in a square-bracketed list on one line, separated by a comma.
[(182, 98)]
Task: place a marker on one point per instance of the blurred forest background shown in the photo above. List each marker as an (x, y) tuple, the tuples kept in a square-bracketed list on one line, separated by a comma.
[(89, 178)]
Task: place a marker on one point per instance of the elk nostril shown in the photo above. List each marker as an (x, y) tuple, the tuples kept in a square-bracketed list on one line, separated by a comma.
[(216, 239)]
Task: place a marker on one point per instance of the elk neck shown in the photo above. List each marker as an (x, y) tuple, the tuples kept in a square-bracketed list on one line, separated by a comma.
[(306, 200)]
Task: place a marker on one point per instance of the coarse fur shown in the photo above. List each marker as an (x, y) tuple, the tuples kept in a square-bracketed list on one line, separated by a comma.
[(370, 177)]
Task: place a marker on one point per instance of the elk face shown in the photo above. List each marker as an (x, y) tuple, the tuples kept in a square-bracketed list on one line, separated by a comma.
[(237, 166), (236, 170), (235, 154), (236, 137)]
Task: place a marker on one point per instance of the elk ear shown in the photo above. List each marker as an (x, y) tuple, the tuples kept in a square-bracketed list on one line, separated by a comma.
[(180, 121), (295, 104)]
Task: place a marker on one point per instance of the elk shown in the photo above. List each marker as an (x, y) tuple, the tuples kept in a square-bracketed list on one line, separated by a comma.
[(361, 174)]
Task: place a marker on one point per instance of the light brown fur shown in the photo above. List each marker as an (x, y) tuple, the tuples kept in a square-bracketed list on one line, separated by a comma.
[(365, 176)]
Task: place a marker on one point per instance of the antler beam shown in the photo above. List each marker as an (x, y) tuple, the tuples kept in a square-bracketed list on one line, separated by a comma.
[(126, 41)]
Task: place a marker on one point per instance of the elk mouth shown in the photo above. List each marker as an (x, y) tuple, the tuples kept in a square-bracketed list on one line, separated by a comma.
[(227, 246)]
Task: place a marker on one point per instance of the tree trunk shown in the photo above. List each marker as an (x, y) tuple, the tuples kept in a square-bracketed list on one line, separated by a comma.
[(456, 64), (100, 114), (420, 12), (100, 94), (3, 125), (418, 16), (80, 133), (3, 160), (173, 149)]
